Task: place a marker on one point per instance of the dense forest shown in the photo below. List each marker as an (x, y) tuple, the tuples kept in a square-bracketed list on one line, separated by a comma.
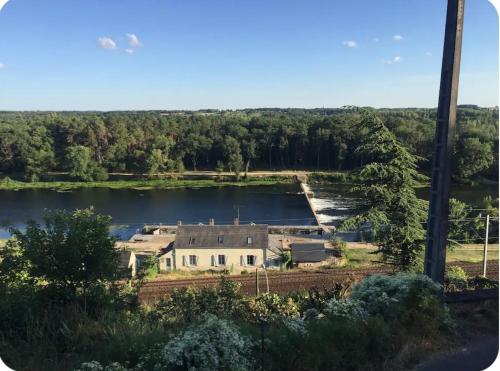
[(89, 145)]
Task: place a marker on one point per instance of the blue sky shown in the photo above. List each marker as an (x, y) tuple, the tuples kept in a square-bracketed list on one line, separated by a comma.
[(193, 54)]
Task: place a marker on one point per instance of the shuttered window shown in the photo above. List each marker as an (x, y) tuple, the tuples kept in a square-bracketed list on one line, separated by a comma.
[(251, 259), (222, 259), (193, 260)]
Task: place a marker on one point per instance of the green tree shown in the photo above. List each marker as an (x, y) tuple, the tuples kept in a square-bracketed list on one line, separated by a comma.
[(156, 161), (249, 152), (82, 166), (392, 207), (39, 157), (72, 252), (461, 227), (232, 153), (472, 157)]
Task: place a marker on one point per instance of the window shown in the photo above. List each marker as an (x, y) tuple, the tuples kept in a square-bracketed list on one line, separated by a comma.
[(168, 262), (220, 240), (193, 260), (251, 260), (249, 240), (222, 259), (192, 240)]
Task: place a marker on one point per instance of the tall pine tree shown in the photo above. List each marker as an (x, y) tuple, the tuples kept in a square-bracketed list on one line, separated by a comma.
[(387, 181)]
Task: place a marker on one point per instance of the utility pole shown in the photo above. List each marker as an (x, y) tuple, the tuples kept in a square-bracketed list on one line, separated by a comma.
[(437, 225), (485, 250)]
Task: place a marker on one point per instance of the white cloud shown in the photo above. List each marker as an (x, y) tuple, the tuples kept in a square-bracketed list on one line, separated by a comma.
[(429, 54), (350, 44), (133, 40), (397, 37), (2, 3), (396, 59), (376, 39), (2, 66), (106, 43), (129, 51)]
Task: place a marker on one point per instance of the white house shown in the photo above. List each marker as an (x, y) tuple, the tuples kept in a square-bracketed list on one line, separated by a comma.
[(202, 247)]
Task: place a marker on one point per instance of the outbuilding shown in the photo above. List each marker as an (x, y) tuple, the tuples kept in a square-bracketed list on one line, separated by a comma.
[(308, 254)]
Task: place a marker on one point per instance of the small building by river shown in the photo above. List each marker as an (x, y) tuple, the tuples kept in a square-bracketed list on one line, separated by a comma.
[(221, 247)]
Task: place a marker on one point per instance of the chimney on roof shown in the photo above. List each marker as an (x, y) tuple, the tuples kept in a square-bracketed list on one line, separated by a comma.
[(236, 221), (211, 221), (179, 222)]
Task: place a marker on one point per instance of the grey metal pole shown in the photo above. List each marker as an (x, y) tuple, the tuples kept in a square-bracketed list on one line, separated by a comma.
[(437, 226), (267, 278), (485, 250), (257, 281)]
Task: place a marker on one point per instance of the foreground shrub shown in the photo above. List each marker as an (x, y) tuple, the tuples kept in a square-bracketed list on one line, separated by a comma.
[(456, 279), (390, 295), (188, 303), (480, 282), (210, 344), (270, 307), (96, 366), (349, 309), (327, 343)]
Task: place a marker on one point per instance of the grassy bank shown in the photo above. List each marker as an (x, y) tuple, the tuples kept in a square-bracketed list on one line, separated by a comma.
[(144, 184), (363, 256)]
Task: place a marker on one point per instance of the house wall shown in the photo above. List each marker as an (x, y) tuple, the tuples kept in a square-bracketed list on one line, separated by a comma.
[(204, 258), (272, 260), (310, 265), (162, 261)]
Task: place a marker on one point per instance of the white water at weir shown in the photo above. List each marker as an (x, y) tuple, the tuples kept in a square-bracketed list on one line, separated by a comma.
[(332, 205)]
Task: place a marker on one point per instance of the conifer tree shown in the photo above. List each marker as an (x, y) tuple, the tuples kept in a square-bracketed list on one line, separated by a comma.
[(387, 182)]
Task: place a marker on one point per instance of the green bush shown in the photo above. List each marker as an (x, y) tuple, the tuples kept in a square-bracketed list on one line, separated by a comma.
[(389, 296), (270, 307), (341, 245), (350, 309), (456, 279), (209, 344), (327, 343), (480, 282), (187, 303)]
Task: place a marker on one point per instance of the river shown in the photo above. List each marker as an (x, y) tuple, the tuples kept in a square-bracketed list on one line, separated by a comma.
[(130, 209), (335, 202)]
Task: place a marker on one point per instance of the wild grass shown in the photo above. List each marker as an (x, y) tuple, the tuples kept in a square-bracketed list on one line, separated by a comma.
[(363, 256)]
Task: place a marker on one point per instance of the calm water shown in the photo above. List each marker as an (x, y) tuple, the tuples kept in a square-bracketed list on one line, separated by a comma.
[(130, 209)]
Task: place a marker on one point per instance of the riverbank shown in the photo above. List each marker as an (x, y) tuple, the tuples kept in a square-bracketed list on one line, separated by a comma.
[(188, 179), (145, 184)]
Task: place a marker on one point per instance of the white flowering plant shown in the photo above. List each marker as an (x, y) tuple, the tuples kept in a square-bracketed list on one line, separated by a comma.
[(390, 295), (350, 309), (209, 344)]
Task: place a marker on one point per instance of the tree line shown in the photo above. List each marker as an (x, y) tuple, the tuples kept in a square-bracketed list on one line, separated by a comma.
[(89, 145)]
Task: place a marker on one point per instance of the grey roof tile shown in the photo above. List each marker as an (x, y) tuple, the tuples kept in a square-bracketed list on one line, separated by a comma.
[(232, 236)]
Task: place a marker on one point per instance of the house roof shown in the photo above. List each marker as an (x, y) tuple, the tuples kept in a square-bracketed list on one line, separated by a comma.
[(221, 236), (308, 252)]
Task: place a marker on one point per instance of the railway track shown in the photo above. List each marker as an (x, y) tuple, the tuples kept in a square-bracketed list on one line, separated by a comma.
[(283, 282)]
